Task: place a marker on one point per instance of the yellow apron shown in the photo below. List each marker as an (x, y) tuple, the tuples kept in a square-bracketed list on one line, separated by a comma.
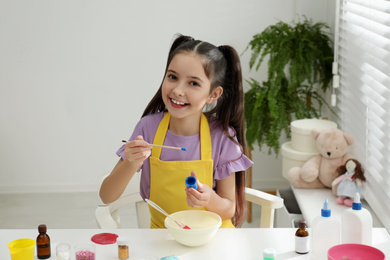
[(167, 178)]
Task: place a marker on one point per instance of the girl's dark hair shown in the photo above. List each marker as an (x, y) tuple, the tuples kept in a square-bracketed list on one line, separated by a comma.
[(359, 171), (223, 68)]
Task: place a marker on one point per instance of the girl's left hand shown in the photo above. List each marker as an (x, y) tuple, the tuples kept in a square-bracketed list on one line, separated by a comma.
[(198, 198)]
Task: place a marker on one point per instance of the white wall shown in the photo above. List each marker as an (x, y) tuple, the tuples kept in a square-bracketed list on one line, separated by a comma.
[(75, 77)]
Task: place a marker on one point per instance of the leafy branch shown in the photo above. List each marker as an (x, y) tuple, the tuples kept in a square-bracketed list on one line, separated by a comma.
[(299, 72)]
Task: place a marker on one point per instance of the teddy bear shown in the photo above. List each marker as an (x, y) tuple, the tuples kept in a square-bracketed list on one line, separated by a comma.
[(320, 170)]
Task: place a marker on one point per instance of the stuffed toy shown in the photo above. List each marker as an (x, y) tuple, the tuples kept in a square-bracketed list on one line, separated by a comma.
[(320, 170), (349, 182)]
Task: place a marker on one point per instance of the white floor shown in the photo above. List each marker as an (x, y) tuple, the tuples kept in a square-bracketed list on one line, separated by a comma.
[(65, 210)]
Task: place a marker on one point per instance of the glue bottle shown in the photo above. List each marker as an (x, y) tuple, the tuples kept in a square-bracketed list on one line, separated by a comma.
[(325, 233), (356, 224)]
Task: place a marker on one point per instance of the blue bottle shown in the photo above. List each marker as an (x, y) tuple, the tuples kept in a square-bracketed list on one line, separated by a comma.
[(191, 182)]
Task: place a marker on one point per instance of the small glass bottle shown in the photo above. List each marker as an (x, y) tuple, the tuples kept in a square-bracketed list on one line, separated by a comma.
[(123, 247), (43, 243), (302, 238)]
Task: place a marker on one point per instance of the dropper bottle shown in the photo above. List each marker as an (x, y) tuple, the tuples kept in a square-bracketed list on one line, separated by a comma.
[(325, 233), (356, 224)]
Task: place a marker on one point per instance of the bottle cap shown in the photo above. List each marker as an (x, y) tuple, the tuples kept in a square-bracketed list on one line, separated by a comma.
[(122, 241), (325, 211), (42, 228), (191, 182), (269, 253), (356, 205), (302, 223)]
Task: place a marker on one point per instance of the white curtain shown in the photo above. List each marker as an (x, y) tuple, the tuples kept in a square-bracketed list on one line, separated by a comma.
[(362, 52)]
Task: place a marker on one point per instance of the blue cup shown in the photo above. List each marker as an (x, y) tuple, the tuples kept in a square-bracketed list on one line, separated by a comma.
[(191, 182)]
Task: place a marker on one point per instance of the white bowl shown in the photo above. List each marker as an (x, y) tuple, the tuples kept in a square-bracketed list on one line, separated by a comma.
[(203, 226)]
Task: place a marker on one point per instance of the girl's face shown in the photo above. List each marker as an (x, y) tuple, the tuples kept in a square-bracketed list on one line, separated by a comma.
[(186, 88)]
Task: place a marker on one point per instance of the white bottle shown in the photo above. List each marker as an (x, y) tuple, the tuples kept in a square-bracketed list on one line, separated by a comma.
[(356, 224), (325, 233)]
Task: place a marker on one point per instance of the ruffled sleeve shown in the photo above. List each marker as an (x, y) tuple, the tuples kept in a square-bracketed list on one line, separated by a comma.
[(224, 170), (228, 156)]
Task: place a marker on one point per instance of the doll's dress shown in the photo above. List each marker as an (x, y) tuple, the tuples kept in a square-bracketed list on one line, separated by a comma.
[(348, 187)]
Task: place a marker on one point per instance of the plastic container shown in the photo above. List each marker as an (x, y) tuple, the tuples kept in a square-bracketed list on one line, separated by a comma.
[(356, 224), (85, 251), (63, 251), (355, 251), (301, 138), (325, 233), (22, 249), (293, 158), (269, 254), (191, 182)]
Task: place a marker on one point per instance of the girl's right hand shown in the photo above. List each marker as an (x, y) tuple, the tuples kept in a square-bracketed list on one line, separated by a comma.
[(137, 151)]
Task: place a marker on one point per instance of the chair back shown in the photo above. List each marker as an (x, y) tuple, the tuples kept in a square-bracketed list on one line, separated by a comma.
[(107, 215)]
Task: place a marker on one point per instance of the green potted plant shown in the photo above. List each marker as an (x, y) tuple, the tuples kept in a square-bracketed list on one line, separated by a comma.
[(299, 69)]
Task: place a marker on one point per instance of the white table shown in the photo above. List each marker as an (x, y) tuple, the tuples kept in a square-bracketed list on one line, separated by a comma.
[(243, 244), (311, 202)]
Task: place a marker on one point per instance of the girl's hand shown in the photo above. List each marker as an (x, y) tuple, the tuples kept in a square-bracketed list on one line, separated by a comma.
[(198, 198), (137, 151)]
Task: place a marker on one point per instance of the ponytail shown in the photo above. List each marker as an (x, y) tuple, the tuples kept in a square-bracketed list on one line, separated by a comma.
[(230, 112)]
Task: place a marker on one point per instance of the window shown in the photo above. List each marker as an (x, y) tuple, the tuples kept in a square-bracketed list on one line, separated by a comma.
[(362, 52)]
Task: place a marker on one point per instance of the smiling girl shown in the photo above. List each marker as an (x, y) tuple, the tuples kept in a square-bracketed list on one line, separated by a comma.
[(199, 106)]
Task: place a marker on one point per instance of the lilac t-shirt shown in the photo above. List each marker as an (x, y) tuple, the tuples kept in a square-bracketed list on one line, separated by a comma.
[(227, 155)]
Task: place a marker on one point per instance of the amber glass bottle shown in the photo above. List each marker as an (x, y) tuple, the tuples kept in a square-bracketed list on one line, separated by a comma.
[(302, 238), (43, 243)]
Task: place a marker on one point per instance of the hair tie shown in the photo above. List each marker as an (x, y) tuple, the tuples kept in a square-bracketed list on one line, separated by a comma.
[(221, 48)]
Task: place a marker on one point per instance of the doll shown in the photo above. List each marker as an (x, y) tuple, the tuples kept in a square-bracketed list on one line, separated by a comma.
[(350, 179)]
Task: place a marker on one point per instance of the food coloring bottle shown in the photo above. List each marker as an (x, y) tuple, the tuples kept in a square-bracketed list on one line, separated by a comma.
[(43, 243), (302, 244), (356, 224), (325, 233), (191, 182)]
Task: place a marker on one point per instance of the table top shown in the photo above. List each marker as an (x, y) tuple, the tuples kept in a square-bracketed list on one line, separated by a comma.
[(313, 200), (244, 243)]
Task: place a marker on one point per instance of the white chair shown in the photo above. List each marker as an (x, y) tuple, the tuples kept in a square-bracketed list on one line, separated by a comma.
[(107, 216)]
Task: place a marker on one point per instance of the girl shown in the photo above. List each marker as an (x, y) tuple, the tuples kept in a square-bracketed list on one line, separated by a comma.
[(350, 180), (198, 77)]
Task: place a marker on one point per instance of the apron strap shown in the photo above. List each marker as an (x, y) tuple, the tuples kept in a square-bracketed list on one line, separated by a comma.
[(205, 139)]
